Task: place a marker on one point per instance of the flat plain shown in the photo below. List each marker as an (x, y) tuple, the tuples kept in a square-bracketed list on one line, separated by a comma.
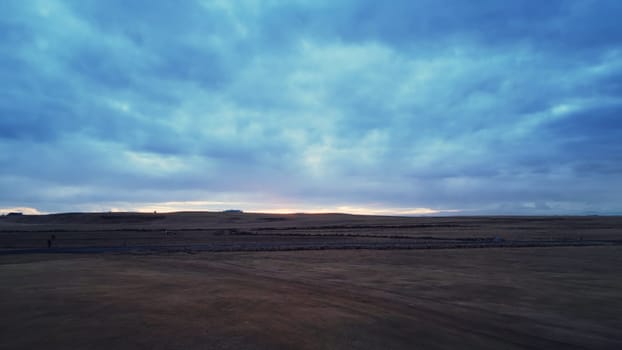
[(330, 281)]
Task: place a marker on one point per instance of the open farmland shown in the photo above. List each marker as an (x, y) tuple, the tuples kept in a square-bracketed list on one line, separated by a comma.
[(219, 281), (200, 231)]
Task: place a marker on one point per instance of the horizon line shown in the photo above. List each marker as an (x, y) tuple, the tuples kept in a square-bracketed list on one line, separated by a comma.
[(236, 211)]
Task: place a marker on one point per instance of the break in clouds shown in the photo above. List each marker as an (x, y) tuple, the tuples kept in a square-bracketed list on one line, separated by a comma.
[(362, 106)]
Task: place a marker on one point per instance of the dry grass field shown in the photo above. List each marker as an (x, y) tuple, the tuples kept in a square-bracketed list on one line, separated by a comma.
[(494, 297)]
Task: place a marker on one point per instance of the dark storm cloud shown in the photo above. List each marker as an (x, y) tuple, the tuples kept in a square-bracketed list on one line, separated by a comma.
[(482, 106)]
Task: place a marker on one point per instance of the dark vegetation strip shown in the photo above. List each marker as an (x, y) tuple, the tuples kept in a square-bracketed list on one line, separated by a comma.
[(288, 228), (272, 246), (13, 243), (468, 239), (237, 232), (328, 227)]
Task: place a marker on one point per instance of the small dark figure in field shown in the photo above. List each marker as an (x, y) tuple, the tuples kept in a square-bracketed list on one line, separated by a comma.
[(49, 243)]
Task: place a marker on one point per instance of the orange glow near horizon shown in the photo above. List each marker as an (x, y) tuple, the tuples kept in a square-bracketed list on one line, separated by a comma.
[(248, 207)]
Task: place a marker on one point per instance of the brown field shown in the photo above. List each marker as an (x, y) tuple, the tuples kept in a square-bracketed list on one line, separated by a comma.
[(169, 289)]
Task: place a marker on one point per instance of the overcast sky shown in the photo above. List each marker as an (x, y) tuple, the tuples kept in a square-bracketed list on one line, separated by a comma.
[(396, 107)]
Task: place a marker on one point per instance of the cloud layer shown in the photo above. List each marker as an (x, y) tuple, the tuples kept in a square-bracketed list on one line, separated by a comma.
[(487, 107)]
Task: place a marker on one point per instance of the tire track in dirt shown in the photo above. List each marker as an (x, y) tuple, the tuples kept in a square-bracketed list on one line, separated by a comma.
[(370, 306)]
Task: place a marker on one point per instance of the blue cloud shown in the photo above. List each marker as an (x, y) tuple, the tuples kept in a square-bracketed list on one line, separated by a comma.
[(489, 107)]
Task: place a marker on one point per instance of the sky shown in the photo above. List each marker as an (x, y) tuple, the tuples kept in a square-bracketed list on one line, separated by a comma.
[(409, 107)]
